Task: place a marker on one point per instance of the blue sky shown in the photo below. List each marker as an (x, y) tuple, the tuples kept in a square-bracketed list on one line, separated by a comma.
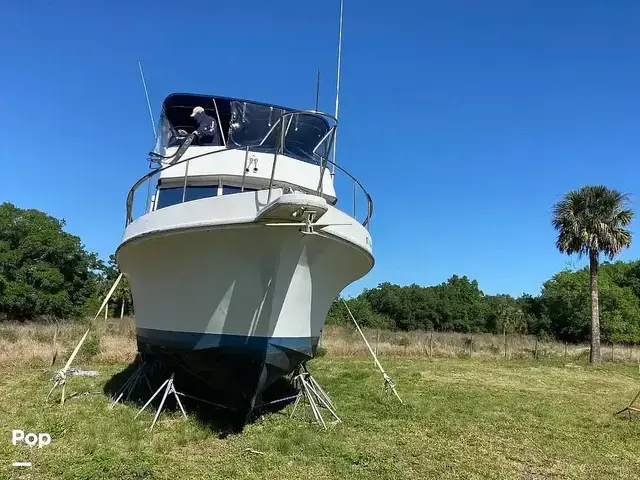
[(465, 120)]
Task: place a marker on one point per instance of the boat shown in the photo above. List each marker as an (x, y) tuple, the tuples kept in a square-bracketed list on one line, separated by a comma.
[(241, 246)]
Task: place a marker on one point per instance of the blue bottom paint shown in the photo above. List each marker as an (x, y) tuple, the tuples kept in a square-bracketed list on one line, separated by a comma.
[(204, 341)]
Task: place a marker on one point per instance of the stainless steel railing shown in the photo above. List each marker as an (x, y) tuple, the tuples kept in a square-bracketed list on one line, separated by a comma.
[(322, 163)]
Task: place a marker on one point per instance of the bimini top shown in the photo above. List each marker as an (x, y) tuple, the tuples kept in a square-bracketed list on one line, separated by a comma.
[(242, 123)]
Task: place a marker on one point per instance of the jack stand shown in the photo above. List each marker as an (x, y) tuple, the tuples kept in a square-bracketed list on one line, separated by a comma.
[(60, 377), (130, 385), (311, 390), (631, 407), (168, 388)]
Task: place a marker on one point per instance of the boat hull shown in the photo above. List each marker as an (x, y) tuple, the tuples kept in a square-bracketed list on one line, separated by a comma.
[(232, 308), (229, 370)]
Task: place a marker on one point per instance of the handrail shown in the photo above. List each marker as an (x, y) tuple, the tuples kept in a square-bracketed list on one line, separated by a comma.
[(369, 199), (147, 176), (280, 148)]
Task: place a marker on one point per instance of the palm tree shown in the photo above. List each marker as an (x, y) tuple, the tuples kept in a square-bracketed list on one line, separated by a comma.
[(591, 221)]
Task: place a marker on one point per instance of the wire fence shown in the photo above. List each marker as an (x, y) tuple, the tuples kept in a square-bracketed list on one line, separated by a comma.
[(115, 340), (345, 341)]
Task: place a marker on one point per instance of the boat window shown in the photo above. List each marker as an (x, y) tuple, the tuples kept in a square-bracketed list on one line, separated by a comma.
[(229, 189), (257, 126), (166, 136), (173, 195), (308, 136), (304, 132), (254, 125)]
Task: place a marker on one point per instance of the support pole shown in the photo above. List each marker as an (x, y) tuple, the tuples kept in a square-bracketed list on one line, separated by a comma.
[(61, 376), (388, 383)]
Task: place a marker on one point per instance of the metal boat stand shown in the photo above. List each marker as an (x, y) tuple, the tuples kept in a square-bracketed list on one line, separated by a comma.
[(169, 388), (131, 384), (311, 392)]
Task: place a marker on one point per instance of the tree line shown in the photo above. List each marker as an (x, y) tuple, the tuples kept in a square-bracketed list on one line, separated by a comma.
[(561, 311)]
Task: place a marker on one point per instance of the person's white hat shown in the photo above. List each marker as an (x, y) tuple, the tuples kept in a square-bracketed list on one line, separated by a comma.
[(196, 111)]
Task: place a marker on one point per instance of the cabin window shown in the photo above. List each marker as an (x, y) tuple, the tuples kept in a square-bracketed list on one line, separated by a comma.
[(229, 189), (173, 195)]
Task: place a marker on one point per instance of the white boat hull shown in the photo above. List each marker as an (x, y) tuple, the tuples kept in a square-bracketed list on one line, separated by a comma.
[(235, 300)]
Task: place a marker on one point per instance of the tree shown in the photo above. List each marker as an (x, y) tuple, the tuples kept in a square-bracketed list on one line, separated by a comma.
[(362, 312), (566, 299), (44, 271), (632, 277), (591, 221), (462, 305)]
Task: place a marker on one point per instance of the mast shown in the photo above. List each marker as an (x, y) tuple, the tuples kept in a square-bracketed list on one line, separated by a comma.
[(318, 90), (335, 138)]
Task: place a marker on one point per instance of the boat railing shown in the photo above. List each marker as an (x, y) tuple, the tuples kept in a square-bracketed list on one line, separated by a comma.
[(323, 163)]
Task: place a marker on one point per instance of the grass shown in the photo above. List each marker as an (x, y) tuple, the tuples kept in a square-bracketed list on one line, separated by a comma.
[(462, 418)]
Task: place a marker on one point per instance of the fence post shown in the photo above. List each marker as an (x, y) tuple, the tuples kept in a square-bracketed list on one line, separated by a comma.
[(377, 340), (470, 345), (612, 357), (535, 351), (565, 349), (54, 347), (504, 332), (431, 344)]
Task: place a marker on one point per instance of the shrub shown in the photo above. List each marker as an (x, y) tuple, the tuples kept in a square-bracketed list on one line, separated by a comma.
[(91, 346), (401, 340)]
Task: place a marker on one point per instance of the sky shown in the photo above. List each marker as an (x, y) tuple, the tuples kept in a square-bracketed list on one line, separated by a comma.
[(464, 120)]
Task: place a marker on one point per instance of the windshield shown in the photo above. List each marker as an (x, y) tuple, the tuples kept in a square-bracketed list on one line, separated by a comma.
[(307, 136)]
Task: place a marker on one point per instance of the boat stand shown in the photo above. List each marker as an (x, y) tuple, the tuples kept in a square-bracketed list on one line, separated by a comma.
[(168, 387), (632, 407), (131, 384), (311, 392)]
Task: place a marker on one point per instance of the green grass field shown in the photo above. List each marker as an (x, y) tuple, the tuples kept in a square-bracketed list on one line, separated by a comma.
[(462, 418)]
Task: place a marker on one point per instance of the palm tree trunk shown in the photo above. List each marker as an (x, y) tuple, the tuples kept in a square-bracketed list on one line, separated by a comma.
[(594, 355)]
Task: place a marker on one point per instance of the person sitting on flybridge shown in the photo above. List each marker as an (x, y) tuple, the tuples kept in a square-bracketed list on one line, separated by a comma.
[(206, 129)]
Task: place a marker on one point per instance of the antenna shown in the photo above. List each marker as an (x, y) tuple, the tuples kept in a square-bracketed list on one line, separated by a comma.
[(335, 138), (318, 90), (146, 94)]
